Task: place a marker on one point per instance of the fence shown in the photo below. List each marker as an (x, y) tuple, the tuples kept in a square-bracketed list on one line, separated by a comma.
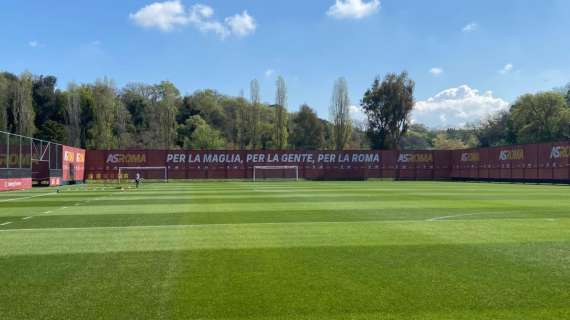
[(25, 160)]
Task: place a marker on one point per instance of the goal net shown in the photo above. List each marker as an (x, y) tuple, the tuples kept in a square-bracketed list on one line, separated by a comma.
[(275, 173), (152, 174)]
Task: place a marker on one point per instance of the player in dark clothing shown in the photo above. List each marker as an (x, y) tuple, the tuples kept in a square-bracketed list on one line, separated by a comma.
[(138, 179)]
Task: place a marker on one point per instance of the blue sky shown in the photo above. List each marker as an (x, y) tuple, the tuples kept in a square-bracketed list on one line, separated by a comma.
[(468, 57)]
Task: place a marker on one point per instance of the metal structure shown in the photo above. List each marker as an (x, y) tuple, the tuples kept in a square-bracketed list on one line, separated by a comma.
[(18, 152)]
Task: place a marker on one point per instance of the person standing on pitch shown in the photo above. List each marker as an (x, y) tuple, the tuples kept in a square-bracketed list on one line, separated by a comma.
[(138, 179)]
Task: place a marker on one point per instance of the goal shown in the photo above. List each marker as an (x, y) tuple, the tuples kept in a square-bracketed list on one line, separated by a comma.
[(154, 174), (275, 172)]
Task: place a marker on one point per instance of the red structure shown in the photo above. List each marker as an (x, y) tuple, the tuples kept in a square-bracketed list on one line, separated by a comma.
[(73, 165), (544, 162)]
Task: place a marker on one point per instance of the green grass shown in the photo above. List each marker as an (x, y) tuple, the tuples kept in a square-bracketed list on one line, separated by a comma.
[(287, 250)]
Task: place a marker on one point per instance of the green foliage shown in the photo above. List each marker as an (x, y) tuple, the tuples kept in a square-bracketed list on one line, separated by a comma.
[(164, 108), (49, 105), (202, 137), (388, 104), (443, 142), (104, 115), (495, 131), (307, 130), (541, 117), (418, 137), (53, 131)]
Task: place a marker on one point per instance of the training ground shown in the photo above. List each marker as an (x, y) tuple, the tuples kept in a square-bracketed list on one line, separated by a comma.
[(286, 250)]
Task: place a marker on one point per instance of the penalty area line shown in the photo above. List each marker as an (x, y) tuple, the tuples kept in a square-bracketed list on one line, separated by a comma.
[(464, 215), (30, 197)]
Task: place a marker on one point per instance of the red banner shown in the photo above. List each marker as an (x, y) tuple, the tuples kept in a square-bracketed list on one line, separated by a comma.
[(73, 164), (528, 162), (15, 184)]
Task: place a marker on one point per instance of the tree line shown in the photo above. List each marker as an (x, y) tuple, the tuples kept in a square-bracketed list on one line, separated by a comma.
[(141, 116)]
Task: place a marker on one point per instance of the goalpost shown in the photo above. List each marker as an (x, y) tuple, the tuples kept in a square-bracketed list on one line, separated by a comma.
[(147, 173), (275, 172)]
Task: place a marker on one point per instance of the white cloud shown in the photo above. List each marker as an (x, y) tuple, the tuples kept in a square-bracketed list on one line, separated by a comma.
[(241, 24), (357, 114), (33, 44), (162, 15), (436, 71), (473, 26), (269, 73), (508, 68), (353, 9), (201, 17), (167, 16), (456, 107)]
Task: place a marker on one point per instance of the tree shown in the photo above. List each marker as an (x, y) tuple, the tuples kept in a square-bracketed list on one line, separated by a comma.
[(307, 130), (5, 93), (443, 142), (73, 115), (53, 131), (495, 131), (340, 114), (242, 122), (280, 125), (103, 106), (418, 137), (541, 117), (255, 116), (123, 128), (166, 102), (203, 136), (387, 105), (23, 106)]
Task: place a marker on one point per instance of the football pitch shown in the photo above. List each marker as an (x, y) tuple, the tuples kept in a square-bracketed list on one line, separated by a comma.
[(287, 250)]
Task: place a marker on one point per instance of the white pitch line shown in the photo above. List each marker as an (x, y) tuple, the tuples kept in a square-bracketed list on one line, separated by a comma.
[(30, 197), (26, 218), (460, 215), (5, 223), (209, 225)]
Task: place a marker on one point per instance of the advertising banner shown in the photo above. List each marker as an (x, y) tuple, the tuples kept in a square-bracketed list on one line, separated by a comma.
[(15, 184), (528, 162), (531, 162), (73, 164), (236, 164), (558, 160)]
